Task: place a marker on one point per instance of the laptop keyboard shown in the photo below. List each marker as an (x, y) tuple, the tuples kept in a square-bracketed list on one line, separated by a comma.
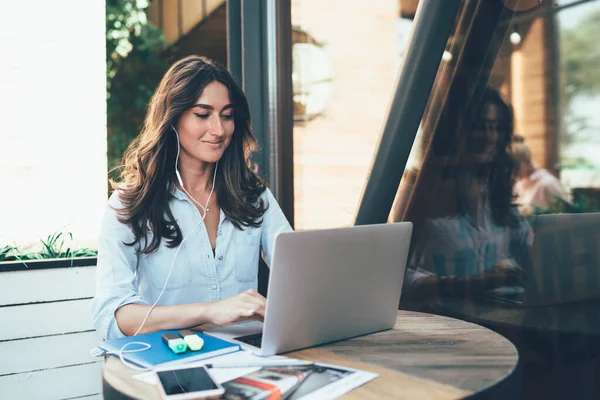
[(254, 339)]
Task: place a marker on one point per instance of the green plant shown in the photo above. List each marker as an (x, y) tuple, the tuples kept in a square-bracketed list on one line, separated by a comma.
[(133, 69), (54, 244), (5, 252), (582, 203), (52, 247)]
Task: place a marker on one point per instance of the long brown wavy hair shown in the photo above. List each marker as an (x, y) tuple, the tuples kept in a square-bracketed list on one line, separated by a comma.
[(148, 174)]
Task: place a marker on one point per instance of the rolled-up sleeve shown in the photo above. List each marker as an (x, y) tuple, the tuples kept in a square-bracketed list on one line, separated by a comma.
[(116, 278), (274, 223)]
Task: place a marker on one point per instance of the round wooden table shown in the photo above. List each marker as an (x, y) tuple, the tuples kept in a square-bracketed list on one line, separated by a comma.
[(425, 356), (577, 318), (559, 345)]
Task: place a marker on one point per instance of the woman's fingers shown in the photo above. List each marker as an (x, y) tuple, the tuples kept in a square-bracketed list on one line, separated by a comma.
[(247, 305), (254, 298), (250, 309), (253, 293), (258, 317), (260, 310)]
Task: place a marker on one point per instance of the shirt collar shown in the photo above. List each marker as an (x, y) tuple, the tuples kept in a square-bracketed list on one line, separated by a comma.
[(179, 195), (175, 192)]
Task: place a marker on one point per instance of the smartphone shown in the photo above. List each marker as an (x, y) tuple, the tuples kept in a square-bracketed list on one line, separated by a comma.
[(186, 382)]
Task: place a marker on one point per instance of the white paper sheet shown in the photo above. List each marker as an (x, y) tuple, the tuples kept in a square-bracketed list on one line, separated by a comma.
[(221, 374), (343, 386)]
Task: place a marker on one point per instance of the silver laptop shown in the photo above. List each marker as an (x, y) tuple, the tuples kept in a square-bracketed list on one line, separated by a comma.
[(563, 264), (328, 285)]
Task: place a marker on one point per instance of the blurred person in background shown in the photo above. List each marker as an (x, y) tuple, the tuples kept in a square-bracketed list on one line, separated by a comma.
[(536, 189)]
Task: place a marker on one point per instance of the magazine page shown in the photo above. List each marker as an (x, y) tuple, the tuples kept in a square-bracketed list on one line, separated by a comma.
[(266, 383), (330, 382), (317, 381)]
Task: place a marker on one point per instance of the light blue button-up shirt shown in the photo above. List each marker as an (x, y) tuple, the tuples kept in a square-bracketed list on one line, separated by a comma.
[(123, 277)]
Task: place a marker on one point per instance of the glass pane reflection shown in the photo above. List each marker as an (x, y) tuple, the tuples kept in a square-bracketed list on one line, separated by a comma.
[(503, 188)]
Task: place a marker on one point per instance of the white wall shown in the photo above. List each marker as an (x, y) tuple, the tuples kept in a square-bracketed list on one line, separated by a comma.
[(52, 119)]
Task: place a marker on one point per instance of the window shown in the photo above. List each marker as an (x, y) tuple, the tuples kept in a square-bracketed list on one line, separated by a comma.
[(503, 190), (347, 69)]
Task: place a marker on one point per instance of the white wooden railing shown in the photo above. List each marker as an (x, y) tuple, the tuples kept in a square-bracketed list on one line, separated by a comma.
[(46, 334)]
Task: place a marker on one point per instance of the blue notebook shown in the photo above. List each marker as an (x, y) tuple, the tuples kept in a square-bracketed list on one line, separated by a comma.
[(160, 354)]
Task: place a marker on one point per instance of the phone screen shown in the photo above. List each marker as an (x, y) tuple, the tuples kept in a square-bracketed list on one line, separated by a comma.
[(186, 380)]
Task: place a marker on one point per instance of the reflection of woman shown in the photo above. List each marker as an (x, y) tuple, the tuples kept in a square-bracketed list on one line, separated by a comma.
[(184, 230), (471, 235), (536, 188)]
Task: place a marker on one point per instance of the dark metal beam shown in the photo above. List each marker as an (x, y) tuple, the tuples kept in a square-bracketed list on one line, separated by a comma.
[(426, 44), (259, 55), (234, 39), (254, 78), (280, 103)]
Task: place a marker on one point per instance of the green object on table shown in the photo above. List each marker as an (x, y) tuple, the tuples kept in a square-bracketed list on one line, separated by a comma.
[(177, 345), (193, 341)]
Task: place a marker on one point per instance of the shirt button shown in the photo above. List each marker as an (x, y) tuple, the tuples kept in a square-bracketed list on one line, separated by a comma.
[(219, 232), (213, 287), (220, 258)]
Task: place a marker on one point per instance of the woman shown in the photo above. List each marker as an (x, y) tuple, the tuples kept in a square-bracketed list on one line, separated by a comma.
[(471, 238), (184, 229)]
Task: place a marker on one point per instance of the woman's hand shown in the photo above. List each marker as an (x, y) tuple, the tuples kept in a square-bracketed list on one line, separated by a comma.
[(247, 305), (508, 273), (505, 273)]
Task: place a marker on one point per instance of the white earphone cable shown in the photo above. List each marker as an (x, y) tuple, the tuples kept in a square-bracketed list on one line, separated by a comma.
[(147, 346), (203, 207)]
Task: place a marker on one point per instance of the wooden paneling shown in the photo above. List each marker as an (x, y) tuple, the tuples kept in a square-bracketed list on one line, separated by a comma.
[(408, 8), (500, 77), (192, 12), (46, 334), (45, 319), (203, 29), (154, 11), (54, 384), (533, 90), (207, 39), (22, 287), (177, 18), (19, 356), (170, 19)]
